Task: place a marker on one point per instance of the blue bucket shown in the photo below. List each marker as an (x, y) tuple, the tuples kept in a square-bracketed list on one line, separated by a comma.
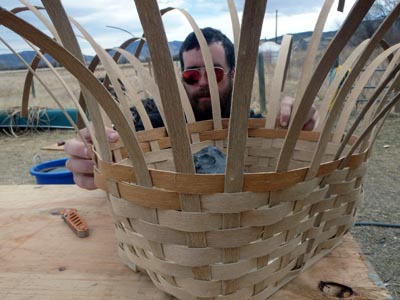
[(52, 172)]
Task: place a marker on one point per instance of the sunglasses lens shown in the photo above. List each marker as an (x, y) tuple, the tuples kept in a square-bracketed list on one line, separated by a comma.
[(219, 74), (191, 76)]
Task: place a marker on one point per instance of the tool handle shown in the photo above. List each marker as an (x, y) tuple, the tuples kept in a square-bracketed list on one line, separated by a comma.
[(76, 223)]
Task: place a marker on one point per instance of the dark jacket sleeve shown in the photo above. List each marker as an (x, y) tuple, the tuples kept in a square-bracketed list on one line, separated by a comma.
[(155, 119)]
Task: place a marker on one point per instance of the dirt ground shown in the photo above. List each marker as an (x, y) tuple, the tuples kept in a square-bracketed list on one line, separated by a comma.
[(380, 245)]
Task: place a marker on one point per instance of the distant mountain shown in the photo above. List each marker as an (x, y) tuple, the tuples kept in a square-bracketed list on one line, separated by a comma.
[(300, 41), (11, 61), (174, 47)]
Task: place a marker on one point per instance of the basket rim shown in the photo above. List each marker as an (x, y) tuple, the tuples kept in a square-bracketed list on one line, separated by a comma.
[(213, 183), (206, 131), (119, 179)]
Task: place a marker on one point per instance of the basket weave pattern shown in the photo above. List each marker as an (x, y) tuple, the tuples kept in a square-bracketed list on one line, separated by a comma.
[(285, 223), (286, 197)]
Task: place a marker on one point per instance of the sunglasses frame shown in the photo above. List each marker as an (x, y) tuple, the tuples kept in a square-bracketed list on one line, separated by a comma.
[(202, 71)]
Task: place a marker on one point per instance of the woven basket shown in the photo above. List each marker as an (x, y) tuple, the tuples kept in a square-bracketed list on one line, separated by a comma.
[(287, 196), (246, 244)]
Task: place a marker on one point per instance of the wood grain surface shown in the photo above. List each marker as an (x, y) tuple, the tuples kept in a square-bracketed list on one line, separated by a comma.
[(41, 258)]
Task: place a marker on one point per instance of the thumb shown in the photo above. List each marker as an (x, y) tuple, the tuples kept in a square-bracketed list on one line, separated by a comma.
[(112, 135)]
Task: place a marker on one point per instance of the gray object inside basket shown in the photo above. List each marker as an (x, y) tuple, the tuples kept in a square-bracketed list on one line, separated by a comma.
[(209, 160)]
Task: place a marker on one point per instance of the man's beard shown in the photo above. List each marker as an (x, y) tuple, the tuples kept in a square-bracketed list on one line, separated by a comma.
[(225, 101)]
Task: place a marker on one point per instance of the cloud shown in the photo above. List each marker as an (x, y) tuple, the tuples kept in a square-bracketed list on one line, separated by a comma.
[(293, 16), (293, 7)]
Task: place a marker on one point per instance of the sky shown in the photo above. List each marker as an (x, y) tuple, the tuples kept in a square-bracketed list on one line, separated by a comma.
[(111, 22)]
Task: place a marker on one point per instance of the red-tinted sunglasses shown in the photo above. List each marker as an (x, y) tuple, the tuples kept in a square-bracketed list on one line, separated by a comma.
[(192, 76)]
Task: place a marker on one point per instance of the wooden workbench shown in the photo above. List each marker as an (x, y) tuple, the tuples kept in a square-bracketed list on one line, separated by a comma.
[(41, 258)]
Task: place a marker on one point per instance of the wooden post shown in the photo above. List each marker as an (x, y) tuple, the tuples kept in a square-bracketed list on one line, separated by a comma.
[(261, 81), (397, 108)]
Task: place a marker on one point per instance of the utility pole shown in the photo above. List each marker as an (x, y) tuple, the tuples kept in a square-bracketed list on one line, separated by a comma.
[(276, 26)]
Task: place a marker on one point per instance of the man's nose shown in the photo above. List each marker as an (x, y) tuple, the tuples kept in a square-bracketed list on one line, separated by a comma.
[(203, 79)]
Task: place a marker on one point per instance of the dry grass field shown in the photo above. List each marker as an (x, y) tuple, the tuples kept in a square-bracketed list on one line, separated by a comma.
[(12, 84), (382, 189)]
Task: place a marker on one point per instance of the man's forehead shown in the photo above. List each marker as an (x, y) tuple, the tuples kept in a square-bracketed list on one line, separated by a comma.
[(194, 58)]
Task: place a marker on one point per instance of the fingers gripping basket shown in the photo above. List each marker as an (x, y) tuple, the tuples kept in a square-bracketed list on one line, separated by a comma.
[(286, 197)]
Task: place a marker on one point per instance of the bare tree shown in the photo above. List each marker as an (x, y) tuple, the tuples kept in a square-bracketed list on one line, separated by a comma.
[(382, 8), (378, 12)]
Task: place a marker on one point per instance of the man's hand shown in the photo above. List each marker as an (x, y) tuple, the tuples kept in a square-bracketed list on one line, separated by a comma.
[(80, 162), (284, 115)]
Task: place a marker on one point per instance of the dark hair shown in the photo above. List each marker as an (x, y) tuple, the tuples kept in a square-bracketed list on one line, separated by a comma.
[(211, 35)]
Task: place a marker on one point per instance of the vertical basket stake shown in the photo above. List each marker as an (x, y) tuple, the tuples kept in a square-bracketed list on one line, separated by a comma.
[(253, 16), (341, 96), (312, 50), (34, 74), (373, 98), (58, 15), (209, 65), (79, 71), (371, 126), (153, 28), (235, 25), (355, 93), (334, 86), (278, 81), (307, 98), (150, 17), (36, 60)]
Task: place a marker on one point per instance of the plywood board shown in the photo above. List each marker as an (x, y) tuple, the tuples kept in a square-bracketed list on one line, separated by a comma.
[(41, 258)]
